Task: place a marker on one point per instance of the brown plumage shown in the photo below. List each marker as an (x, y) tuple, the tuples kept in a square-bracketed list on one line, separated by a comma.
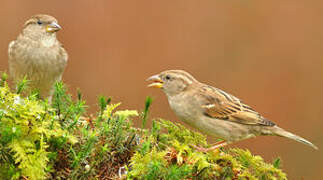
[(213, 111), (37, 54), (221, 105)]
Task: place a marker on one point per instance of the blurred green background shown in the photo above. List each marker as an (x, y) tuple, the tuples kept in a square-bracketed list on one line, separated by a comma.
[(268, 53)]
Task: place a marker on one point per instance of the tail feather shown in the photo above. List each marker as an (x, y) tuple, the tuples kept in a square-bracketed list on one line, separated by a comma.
[(281, 132)]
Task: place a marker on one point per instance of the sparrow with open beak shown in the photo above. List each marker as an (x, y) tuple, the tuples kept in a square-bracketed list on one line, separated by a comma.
[(213, 111), (38, 55)]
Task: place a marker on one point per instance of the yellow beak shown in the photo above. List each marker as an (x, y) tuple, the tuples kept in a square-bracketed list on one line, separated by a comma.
[(53, 27), (157, 81)]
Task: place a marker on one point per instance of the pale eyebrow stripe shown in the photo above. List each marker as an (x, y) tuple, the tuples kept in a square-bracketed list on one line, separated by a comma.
[(186, 75)]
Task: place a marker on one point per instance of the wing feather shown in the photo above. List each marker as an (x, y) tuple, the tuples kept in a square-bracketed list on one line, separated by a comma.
[(221, 105)]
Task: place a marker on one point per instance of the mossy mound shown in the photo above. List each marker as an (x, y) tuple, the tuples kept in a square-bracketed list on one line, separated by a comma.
[(170, 155), (60, 141)]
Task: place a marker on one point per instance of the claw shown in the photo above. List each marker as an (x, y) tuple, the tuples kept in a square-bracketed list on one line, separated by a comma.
[(216, 146)]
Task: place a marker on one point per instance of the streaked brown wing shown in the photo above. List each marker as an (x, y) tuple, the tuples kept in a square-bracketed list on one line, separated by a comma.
[(221, 105)]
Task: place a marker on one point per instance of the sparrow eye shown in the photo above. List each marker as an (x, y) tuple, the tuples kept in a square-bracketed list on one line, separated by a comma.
[(39, 22), (167, 77)]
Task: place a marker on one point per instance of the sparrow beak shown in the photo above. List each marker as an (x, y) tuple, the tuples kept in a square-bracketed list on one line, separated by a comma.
[(157, 81), (53, 27)]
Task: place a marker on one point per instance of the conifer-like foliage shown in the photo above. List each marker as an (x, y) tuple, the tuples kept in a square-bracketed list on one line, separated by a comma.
[(59, 140), (27, 125)]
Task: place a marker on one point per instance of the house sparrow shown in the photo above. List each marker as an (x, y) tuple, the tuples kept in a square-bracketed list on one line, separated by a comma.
[(213, 111), (37, 55)]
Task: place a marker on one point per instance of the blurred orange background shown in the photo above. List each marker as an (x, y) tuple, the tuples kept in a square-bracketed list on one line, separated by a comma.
[(268, 53)]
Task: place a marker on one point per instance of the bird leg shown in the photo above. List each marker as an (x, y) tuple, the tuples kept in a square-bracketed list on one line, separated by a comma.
[(215, 146)]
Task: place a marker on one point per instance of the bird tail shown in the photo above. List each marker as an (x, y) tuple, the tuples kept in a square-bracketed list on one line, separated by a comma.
[(283, 133)]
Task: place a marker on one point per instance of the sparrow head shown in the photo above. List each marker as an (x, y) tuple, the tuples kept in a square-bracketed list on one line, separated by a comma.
[(41, 24), (172, 82)]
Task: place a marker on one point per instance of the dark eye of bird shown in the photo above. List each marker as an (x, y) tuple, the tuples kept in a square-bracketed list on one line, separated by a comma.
[(167, 77), (39, 22)]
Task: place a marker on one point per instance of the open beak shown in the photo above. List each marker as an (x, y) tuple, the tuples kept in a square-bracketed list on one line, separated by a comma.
[(53, 27), (157, 81)]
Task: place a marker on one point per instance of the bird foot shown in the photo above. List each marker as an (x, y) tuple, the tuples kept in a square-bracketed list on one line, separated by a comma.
[(216, 146)]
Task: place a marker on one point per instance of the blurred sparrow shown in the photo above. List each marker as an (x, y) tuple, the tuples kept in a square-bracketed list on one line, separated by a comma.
[(38, 55), (213, 111)]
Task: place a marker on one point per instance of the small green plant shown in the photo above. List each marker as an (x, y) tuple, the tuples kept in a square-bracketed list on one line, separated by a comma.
[(107, 144)]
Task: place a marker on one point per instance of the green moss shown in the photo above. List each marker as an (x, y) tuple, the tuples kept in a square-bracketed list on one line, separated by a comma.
[(177, 157), (60, 141), (27, 126)]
